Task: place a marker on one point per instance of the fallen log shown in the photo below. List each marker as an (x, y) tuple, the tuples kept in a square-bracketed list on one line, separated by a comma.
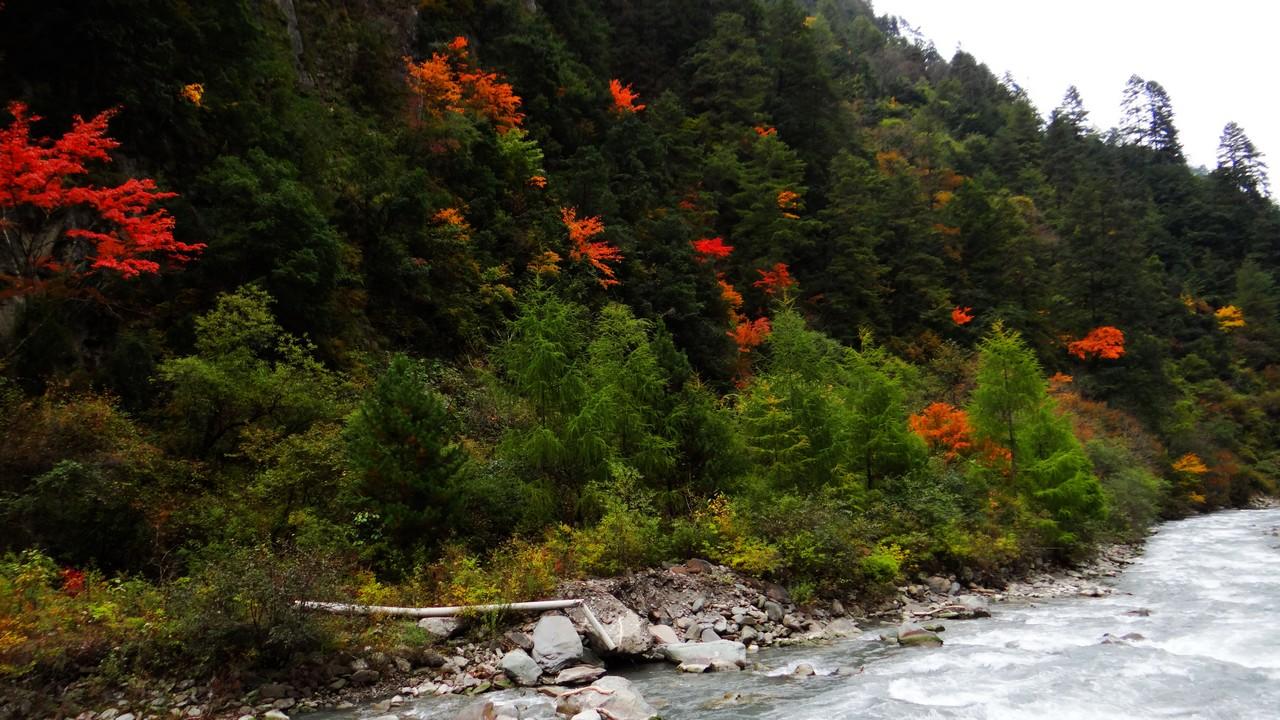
[(449, 611)]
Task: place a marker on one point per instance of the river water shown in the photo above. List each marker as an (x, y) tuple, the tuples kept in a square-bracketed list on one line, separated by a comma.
[(1204, 597)]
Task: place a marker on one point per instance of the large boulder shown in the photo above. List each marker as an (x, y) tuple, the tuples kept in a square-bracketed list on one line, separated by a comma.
[(611, 696), (913, 635), (579, 675), (629, 633), (706, 653), (521, 668), (663, 634), (440, 628), (556, 644)]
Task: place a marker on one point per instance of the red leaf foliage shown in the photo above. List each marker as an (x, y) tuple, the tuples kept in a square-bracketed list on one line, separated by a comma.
[(446, 83), (943, 427), (711, 249), (54, 224), (775, 280), (624, 98), (750, 334), (962, 315)]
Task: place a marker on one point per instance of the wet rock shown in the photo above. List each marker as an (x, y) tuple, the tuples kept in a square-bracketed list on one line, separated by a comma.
[(1140, 612), (913, 635), (612, 696), (841, 627), (803, 670), (275, 715), (724, 666), (707, 653), (478, 710), (579, 675), (695, 668), (521, 668), (440, 628), (556, 644)]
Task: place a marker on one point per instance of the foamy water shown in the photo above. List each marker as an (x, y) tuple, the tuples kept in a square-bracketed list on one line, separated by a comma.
[(1211, 649)]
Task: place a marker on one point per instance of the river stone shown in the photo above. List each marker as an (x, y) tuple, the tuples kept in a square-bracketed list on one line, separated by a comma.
[(707, 652), (630, 634), (579, 675), (698, 565), (274, 690), (912, 635), (708, 635), (612, 696), (440, 628), (699, 603), (478, 710), (587, 715), (365, 677), (663, 634), (385, 717), (803, 670), (773, 610), (837, 608), (695, 668), (275, 715), (748, 634), (126, 716), (937, 584), (520, 667), (556, 644), (518, 639), (526, 707), (724, 666)]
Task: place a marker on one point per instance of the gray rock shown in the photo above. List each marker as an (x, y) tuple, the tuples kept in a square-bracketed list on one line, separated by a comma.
[(521, 668), (698, 565), (748, 634), (587, 715), (699, 603), (527, 707), (126, 716), (842, 627), (837, 608), (663, 634), (519, 639), (724, 666), (938, 584), (440, 628), (708, 635), (695, 668), (108, 714), (773, 610), (794, 622), (275, 715), (556, 644), (274, 690), (385, 717), (579, 675), (365, 677), (630, 633), (707, 652), (803, 670)]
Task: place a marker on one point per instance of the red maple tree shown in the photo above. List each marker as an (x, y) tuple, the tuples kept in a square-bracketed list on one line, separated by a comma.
[(962, 315), (52, 223), (750, 334), (943, 427), (1105, 342), (711, 249), (447, 83), (775, 280)]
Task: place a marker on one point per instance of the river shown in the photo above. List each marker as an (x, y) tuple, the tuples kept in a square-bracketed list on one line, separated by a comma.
[(1204, 597)]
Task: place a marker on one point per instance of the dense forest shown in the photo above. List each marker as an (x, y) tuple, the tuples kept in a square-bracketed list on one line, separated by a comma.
[(447, 300)]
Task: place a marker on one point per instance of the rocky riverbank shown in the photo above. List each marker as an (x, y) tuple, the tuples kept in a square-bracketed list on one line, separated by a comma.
[(698, 616)]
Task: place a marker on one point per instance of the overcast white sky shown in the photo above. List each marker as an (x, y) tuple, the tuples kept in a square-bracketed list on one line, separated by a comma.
[(1218, 60)]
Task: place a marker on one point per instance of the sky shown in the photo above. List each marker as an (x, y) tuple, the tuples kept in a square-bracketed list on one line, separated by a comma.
[(1217, 60)]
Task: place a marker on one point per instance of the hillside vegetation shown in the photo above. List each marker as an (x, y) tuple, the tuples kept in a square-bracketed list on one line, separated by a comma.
[(442, 302)]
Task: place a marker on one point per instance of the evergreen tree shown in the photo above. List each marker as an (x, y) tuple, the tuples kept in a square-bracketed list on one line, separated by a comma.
[(1240, 162)]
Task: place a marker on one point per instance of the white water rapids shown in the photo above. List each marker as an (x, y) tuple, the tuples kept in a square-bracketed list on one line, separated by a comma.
[(1210, 648)]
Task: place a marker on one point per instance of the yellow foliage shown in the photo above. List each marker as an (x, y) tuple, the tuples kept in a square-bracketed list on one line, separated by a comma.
[(193, 93), (1229, 318), (1190, 463)]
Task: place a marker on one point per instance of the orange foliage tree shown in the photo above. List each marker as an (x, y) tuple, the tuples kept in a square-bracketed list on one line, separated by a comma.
[(446, 83), (943, 427), (1105, 342), (750, 334), (54, 225), (582, 245), (962, 315), (624, 98)]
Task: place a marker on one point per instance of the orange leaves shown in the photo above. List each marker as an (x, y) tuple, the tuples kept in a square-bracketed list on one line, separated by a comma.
[(731, 296), (597, 253), (446, 84), (711, 249), (450, 216), (1229, 318), (763, 131), (1104, 342), (943, 427), (788, 202), (775, 280), (961, 315), (750, 334), (193, 93), (538, 181), (1058, 380), (1190, 463), (546, 264), (624, 98)]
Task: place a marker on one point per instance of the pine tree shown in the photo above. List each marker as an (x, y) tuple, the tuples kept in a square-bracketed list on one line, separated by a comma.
[(1241, 162)]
